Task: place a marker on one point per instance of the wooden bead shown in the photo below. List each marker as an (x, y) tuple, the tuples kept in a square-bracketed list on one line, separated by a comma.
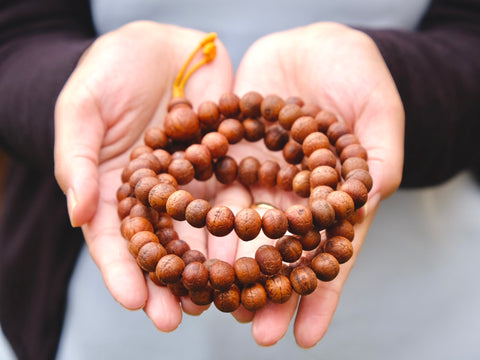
[(324, 119), (155, 138), (285, 177), (247, 224), (149, 255), (135, 164), (253, 297), (124, 207), (205, 173), (195, 276), (221, 275), (294, 100), (299, 219), (216, 143), (311, 240), (178, 289), (124, 191), (250, 104), (202, 297), (209, 115), (181, 123), (288, 114), (227, 300), (325, 266), (196, 212), (357, 190), (275, 138), (158, 196), (164, 158), (322, 157), (170, 268), (139, 239), (290, 248), (199, 156), (278, 289), (345, 140), (310, 110), (248, 170), (337, 129), (133, 225), (314, 141), (143, 187), (139, 150), (324, 175), (323, 213), (247, 270), (293, 152), (182, 170), (342, 203), (362, 175), (353, 150), (226, 170), (164, 221), (254, 130), (178, 101), (267, 173), (302, 127), (177, 203), (319, 192), (168, 179), (274, 223), (271, 106), (192, 255), (301, 183), (232, 129), (269, 259), (166, 235), (177, 247), (219, 220), (146, 212), (229, 105), (341, 248), (304, 280), (140, 174), (341, 228)]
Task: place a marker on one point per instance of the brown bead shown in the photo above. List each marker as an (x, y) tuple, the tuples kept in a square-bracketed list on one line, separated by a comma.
[(144, 211), (357, 190), (319, 192), (153, 276), (337, 129), (158, 196), (178, 101), (140, 174), (125, 190), (202, 297), (232, 129), (247, 224), (310, 110), (353, 150), (311, 240), (139, 150), (299, 219), (362, 175), (248, 170), (181, 123), (324, 119), (323, 213), (322, 157), (178, 289), (133, 225), (221, 274), (143, 187), (205, 173), (182, 170), (269, 259), (164, 158), (344, 141), (216, 143), (342, 228), (353, 163), (302, 127), (250, 104), (314, 141), (164, 221), (247, 270), (301, 183), (135, 164), (324, 175), (293, 152), (290, 248), (254, 130), (166, 235), (209, 115), (325, 266), (267, 173), (271, 106), (227, 300), (155, 138), (169, 268), (229, 105), (274, 223), (278, 289), (219, 220), (193, 255), (139, 239), (285, 177), (226, 170), (253, 297), (196, 212), (168, 179), (342, 203), (304, 280), (275, 138), (341, 248), (199, 156), (288, 114), (149, 255), (177, 247), (177, 204), (295, 100), (124, 207), (195, 276)]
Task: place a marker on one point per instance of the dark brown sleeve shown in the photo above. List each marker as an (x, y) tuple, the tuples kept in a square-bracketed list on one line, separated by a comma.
[(437, 72)]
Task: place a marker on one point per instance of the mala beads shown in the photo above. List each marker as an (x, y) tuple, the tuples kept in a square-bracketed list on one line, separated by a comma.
[(324, 164)]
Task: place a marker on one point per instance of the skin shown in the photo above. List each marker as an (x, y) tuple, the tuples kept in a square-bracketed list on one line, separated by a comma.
[(100, 116)]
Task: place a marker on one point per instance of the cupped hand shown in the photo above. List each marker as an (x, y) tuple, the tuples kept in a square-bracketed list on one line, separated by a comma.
[(122, 86), (340, 70)]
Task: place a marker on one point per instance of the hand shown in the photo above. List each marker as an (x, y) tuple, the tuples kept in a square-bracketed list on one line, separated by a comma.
[(341, 70), (121, 87)]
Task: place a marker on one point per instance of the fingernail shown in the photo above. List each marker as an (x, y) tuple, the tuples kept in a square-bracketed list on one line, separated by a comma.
[(71, 205)]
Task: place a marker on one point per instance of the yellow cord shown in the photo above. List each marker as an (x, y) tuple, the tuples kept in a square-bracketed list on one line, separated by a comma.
[(209, 50)]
